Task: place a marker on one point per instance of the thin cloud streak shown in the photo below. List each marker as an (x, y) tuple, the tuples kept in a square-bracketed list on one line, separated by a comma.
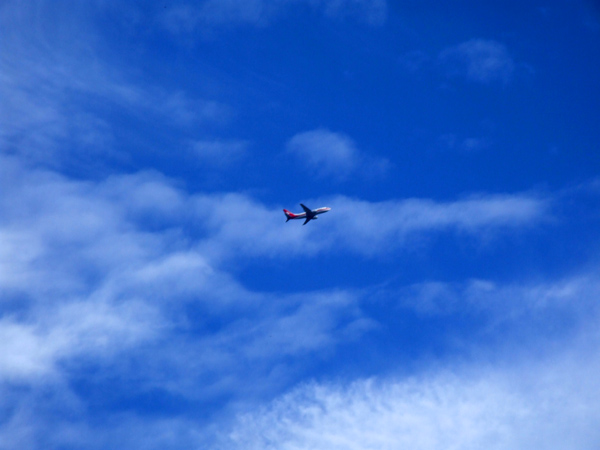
[(358, 226), (548, 404), (372, 228), (60, 92), (188, 18), (569, 296)]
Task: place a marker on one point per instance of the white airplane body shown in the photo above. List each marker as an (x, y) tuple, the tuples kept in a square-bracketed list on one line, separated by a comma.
[(308, 214)]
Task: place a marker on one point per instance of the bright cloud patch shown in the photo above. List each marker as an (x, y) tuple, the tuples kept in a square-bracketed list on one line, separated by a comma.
[(372, 227), (537, 405), (325, 153), (124, 275), (355, 226)]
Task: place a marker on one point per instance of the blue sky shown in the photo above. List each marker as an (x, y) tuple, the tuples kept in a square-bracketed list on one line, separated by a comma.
[(153, 296)]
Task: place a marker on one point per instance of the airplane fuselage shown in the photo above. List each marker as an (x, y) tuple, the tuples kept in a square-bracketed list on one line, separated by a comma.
[(308, 214)]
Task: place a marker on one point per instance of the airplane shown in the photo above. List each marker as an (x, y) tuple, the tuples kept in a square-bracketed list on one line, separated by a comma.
[(308, 214)]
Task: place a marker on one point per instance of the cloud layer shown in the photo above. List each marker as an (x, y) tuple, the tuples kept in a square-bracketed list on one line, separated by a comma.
[(116, 253), (552, 405), (517, 397), (140, 309), (130, 275)]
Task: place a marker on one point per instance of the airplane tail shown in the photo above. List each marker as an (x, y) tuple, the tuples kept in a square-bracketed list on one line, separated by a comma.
[(288, 214)]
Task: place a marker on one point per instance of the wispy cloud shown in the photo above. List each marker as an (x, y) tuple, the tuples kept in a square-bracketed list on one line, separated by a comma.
[(126, 220), (104, 250), (538, 387), (548, 403), (357, 226), (479, 60), (138, 277), (325, 153), (60, 94), (121, 270), (370, 228), (111, 275), (186, 18), (512, 317), (135, 313)]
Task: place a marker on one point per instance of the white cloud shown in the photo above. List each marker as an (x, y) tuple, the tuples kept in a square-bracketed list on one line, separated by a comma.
[(239, 227), (124, 258), (370, 228), (529, 394), (107, 279), (129, 274), (125, 284), (25, 354), (550, 404), (479, 60), (520, 313), (127, 221), (59, 93), (325, 153), (121, 273), (88, 329)]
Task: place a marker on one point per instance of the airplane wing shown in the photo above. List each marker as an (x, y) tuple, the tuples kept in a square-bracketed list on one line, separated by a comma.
[(305, 208), (307, 220)]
